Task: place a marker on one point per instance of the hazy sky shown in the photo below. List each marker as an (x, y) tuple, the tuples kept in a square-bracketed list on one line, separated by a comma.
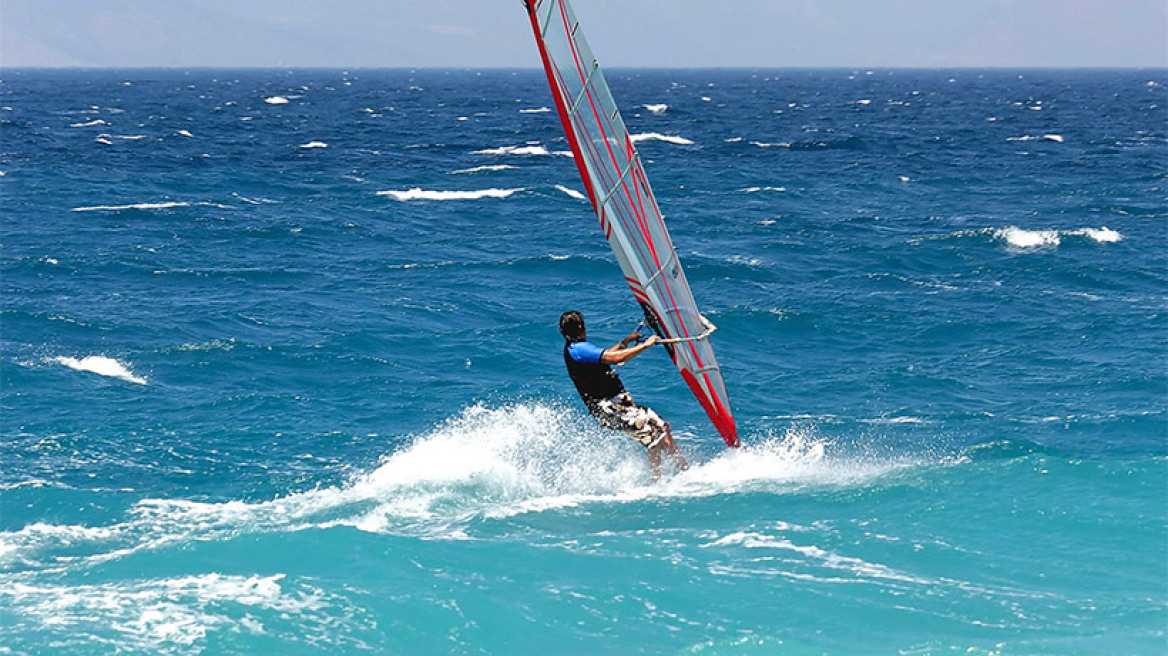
[(684, 33)]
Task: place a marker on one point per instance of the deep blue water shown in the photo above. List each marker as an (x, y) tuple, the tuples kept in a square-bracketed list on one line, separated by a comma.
[(281, 371)]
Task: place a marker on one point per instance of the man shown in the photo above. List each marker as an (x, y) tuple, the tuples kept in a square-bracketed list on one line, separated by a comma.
[(590, 369)]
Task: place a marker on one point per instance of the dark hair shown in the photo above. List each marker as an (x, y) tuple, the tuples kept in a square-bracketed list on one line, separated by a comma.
[(571, 323)]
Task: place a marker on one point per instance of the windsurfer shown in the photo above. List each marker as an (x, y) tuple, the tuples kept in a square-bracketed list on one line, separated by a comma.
[(590, 368)]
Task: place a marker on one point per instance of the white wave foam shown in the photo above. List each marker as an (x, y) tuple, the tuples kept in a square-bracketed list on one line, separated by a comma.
[(161, 614), (184, 133), (1103, 235), (89, 124), (1057, 138), (135, 206), (755, 190), (314, 144), (1024, 239), (656, 136), (656, 108), (1031, 239), (485, 464), (416, 193), (856, 567), (571, 192), (762, 144), (276, 100), (483, 169), (102, 366), (537, 110), (520, 150), (108, 138)]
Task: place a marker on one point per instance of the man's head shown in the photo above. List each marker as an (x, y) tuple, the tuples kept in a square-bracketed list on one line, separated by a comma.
[(572, 326)]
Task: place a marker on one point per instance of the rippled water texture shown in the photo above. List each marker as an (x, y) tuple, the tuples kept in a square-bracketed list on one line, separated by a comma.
[(281, 371)]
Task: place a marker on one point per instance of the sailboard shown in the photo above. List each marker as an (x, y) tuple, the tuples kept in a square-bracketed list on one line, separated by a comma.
[(626, 207)]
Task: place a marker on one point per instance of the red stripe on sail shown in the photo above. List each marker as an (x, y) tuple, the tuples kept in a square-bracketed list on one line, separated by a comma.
[(718, 414)]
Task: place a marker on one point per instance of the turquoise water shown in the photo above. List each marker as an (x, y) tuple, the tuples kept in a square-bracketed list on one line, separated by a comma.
[(281, 371)]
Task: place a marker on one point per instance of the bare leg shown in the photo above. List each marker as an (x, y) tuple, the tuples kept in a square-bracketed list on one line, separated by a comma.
[(655, 461), (678, 459)]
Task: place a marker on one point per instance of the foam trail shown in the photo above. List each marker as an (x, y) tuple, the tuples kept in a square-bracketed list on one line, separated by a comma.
[(101, 366), (417, 193), (655, 136)]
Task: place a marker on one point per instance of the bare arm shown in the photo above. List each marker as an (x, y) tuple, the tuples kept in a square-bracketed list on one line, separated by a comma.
[(619, 354)]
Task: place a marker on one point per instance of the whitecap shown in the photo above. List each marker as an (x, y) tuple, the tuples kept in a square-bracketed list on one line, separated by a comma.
[(483, 169), (537, 110), (135, 206), (1057, 138), (1026, 239), (1103, 235), (571, 192), (185, 133), (89, 124), (417, 193), (656, 108), (101, 366), (754, 190), (276, 100), (656, 136), (314, 144), (519, 150)]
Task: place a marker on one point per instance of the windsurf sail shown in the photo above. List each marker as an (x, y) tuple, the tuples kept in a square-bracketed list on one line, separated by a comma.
[(629, 216)]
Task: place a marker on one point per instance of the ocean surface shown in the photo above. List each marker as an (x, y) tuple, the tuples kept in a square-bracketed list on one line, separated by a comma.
[(281, 374)]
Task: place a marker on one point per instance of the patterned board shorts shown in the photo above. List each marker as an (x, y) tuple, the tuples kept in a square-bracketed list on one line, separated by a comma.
[(641, 423)]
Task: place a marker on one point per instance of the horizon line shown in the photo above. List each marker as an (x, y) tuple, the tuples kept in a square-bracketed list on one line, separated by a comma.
[(330, 67)]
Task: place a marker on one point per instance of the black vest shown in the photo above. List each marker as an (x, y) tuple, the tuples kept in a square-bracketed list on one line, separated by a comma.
[(594, 381)]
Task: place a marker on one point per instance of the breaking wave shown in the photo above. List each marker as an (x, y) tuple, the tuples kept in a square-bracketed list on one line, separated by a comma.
[(102, 366)]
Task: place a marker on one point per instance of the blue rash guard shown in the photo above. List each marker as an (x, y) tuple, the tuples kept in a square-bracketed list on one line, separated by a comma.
[(594, 379)]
